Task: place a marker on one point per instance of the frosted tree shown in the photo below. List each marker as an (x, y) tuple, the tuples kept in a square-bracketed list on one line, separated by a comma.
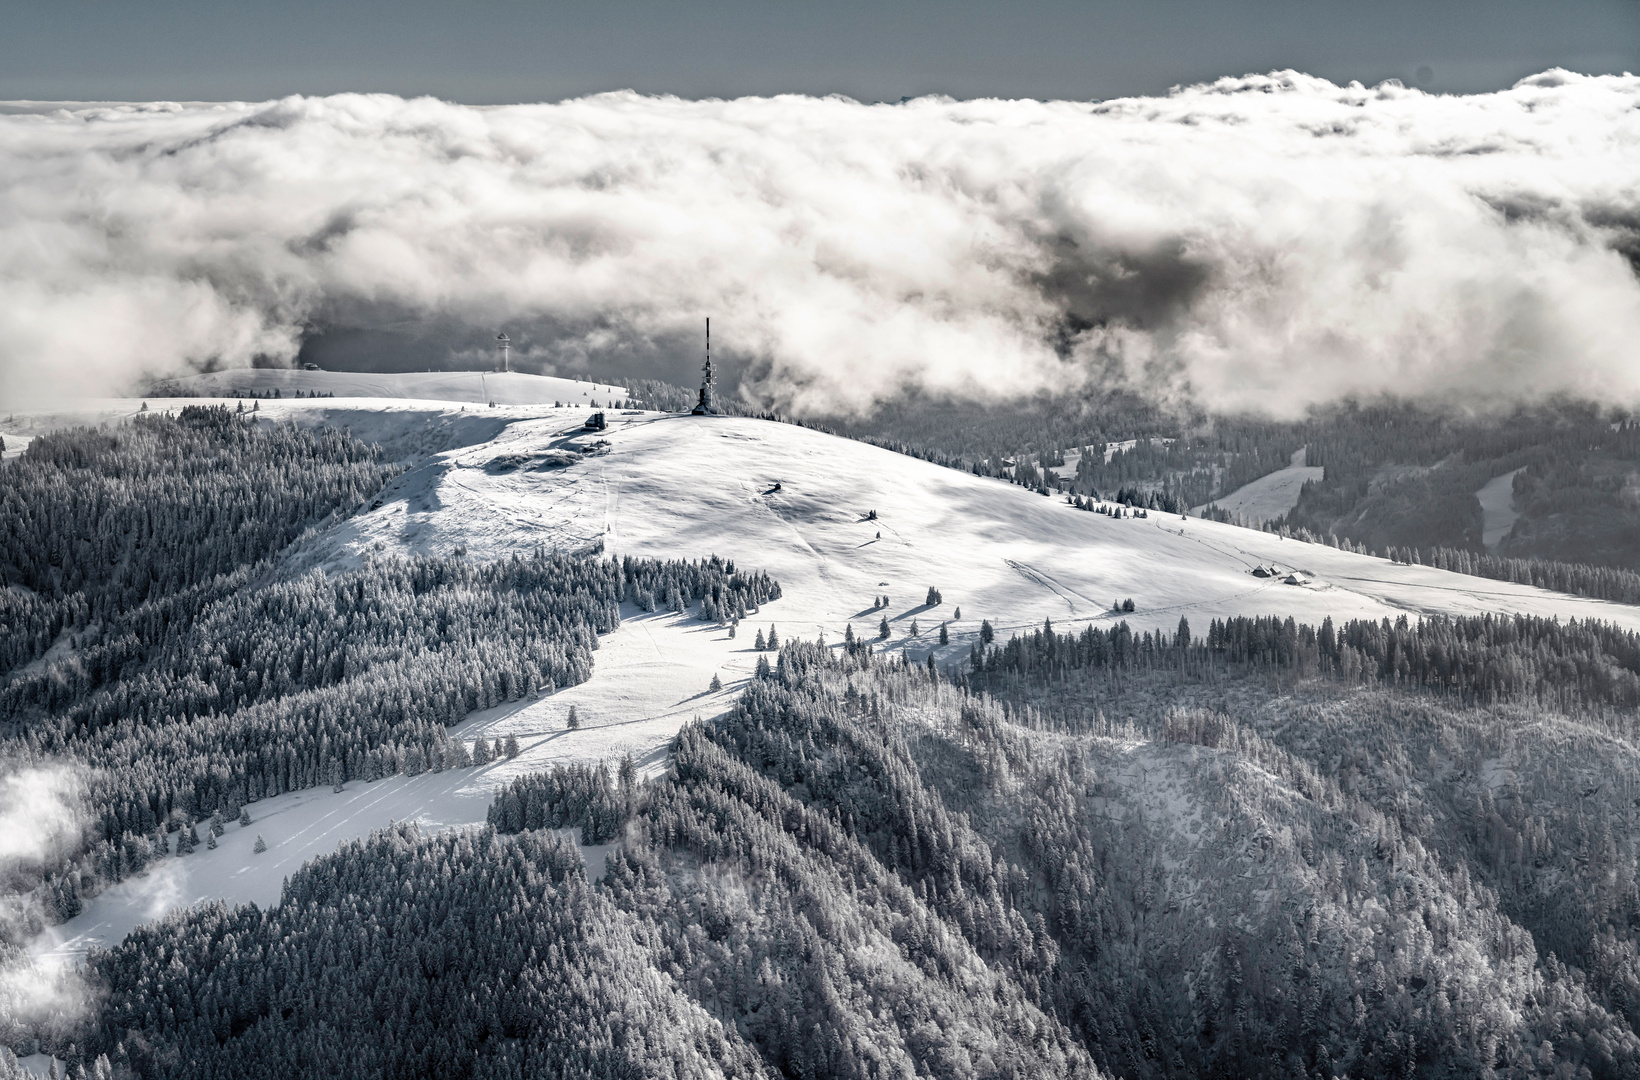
[(261, 845)]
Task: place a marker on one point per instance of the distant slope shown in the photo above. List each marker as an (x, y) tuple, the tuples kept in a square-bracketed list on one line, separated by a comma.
[(1498, 505), (504, 388), (1270, 496)]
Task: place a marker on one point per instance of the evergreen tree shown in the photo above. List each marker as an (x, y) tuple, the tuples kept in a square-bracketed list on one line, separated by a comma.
[(244, 816), (986, 634), (774, 640), (945, 635), (260, 845), (882, 628), (716, 684), (512, 746), (573, 720), (758, 644)]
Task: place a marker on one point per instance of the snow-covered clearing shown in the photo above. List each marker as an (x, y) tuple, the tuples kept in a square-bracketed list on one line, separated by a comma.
[(1498, 507), (1272, 495), (770, 496), (504, 388), (15, 444)]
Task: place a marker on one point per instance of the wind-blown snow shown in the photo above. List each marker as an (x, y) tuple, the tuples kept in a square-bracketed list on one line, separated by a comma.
[(684, 487)]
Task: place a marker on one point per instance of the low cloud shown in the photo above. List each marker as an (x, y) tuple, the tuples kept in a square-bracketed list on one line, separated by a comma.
[(1263, 242), (40, 812)]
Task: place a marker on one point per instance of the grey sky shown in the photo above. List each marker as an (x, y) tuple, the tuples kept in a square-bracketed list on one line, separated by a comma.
[(495, 51)]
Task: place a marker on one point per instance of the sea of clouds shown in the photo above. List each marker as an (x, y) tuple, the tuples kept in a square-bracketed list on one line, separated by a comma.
[(1262, 242)]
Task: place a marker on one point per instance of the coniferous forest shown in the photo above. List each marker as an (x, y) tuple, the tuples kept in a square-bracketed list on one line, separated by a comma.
[(869, 870), (1254, 848)]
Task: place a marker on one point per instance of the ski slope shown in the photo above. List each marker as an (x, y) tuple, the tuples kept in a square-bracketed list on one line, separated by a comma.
[(1271, 495), (1498, 513), (771, 496)]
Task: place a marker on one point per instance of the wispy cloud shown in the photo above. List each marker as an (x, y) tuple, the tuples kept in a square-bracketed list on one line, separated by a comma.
[(1262, 242)]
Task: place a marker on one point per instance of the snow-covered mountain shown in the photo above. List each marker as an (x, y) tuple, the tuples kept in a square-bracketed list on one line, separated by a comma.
[(839, 523), (502, 387)]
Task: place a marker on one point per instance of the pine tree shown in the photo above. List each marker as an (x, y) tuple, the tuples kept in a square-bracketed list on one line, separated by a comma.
[(216, 823), (914, 629), (717, 683), (187, 840), (774, 640), (986, 634), (758, 644), (244, 816), (481, 751), (934, 598), (573, 721), (945, 635), (261, 844), (957, 614), (512, 746), (882, 627)]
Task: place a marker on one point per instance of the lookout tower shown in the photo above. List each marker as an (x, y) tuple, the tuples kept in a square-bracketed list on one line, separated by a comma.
[(706, 406), (502, 343)]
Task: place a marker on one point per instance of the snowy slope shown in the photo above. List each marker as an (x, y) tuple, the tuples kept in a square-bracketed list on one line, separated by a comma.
[(1270, 496), (498, 481), (1498, 511), (506, 388)]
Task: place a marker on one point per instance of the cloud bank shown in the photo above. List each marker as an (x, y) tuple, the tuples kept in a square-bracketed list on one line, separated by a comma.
[(1263, 242)]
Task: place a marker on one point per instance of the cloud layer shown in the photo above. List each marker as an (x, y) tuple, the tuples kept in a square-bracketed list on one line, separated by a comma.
[(1262, 242)]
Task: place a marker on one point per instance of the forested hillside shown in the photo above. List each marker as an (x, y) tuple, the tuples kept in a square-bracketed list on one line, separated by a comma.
[(1193, 860), (178, 695)]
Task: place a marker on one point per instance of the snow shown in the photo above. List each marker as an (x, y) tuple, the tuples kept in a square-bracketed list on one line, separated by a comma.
[(494, 482), (505, 388), (1270, 496), (1498, 507), (15, 444)]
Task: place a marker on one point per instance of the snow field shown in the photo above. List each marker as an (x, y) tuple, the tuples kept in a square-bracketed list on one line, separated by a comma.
[(504, 388), (1498, 507), (773, 497), (1272, 495)]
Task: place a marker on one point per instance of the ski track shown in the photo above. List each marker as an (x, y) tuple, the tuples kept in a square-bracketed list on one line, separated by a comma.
[(676, 487)]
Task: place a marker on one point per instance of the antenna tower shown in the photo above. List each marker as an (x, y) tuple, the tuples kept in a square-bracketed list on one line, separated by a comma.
[(503, 344), (708, 384)]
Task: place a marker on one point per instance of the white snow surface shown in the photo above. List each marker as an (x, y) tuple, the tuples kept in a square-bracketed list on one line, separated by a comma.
[(502, 387), (1271, 495), (1498, 508), (503, 481)]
